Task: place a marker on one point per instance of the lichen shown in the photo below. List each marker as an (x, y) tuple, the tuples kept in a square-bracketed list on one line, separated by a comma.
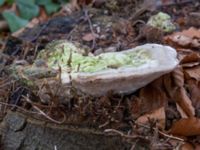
[(162, 21)]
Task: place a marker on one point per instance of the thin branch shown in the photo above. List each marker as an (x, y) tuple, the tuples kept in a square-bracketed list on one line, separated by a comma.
[(91, 28), (43, 113), (122, 134), (20, 108), (162, 133)]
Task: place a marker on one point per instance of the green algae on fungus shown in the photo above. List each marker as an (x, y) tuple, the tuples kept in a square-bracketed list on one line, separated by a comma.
[(121, 72), (60, 54), (162, 21)]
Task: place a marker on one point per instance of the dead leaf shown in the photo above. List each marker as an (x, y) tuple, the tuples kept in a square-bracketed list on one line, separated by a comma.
[(189, 65), (193, 73), (186, 38), (191, 32), (89, 37), (187, 146), (194, 89), (190, 58), (192, 76), (169, 85), (157, 115), (43, 15), (178, 76), (151, 34), (193, 19), (197, 146), (184, 102), (186, 127), (181, 111), (151, 97), (180, 95)]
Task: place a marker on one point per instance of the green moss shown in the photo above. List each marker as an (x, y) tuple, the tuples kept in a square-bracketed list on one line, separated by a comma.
[(64, 53), (26, 75)]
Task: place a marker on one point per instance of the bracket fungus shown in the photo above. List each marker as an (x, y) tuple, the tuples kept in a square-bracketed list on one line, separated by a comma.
[(120, 72)]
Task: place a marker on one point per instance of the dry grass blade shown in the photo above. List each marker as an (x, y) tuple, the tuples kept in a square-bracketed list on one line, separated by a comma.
[(122, 134), (43, 113)]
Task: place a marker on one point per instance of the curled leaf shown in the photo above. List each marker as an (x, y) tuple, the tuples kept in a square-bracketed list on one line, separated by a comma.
[(194, 88), (157, 115), (186, 127), (193, 73), (151, 97), (186, 38), (181, 96)]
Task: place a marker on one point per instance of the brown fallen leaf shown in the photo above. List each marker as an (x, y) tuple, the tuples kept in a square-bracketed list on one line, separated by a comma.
[(186, 127), (180, 95), (157, 115), (191, 32), (89, 37), (169, 85), (187, 146), (194, 89), (183, 101), (151, 97), (193, 73), (186, 38), (43, 15), (197, 146), (190, 58)]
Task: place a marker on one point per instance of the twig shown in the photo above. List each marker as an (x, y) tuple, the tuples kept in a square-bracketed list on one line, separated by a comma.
[(40, 32), (43, 113), (138, 13), (55, 147), (122, 134), (91, 28), (104, 124), (20, 108), (7, 83), (171, 136), (20, 91), (70, 33), (160, 132), (138, 21), (35, 51), (134, 145), (69, 61)]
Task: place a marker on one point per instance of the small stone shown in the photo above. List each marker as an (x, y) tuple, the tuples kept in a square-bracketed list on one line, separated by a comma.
[(16, 123)]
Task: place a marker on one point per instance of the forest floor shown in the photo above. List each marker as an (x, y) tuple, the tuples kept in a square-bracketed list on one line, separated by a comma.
[(164, 114)]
